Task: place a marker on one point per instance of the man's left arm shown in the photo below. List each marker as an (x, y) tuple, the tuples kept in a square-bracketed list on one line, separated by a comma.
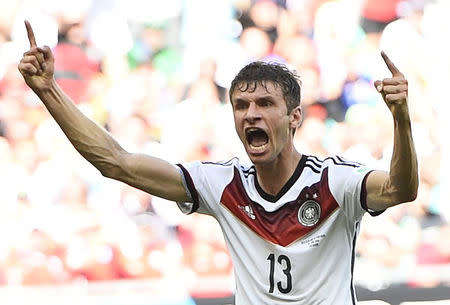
[(400, 184)]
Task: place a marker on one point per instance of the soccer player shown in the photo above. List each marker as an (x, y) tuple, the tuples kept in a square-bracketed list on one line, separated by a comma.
[(290, 220)]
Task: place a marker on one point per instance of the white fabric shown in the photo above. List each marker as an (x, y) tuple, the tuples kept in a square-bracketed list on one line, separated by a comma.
[(260, 237)]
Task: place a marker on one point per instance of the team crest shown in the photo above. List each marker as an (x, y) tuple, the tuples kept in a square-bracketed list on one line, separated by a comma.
[(309, 213)]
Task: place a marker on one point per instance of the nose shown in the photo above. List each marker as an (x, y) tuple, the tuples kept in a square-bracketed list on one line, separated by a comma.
[(252, 115)]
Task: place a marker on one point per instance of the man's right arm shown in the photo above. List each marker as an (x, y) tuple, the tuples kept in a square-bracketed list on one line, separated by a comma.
[(97, 146), (94, 143)]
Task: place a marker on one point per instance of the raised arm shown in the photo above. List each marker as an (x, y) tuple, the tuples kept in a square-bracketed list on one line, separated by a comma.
[(400, 184), (94, 143)]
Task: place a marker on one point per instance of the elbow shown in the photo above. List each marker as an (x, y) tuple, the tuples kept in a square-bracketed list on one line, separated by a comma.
[(410, 197), (109, 172), (414, 194), (112, 171), (106, 155), (111, 167), (406, 195), (413, 191), (406, 190)]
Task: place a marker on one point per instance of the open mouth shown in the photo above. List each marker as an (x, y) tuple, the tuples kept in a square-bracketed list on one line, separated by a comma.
[(257, 138)]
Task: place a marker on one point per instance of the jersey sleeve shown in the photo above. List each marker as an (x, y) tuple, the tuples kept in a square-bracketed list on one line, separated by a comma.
[(204, 183), (348, 185)]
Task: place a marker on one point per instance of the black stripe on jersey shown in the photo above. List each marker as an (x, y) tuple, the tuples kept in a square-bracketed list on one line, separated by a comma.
[(314, 169), (363, 198), (225, 163), (338, 162), (316, 162), (347, 161), (286, 187), (249, 171), (317, 159), (246, 175), (191, 188), (352, 288), (313, 163)]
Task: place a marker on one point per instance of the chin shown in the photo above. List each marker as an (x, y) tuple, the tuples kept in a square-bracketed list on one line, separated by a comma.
[(258, 159)]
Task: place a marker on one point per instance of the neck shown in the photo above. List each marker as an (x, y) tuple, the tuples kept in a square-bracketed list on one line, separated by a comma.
[(272, 176)]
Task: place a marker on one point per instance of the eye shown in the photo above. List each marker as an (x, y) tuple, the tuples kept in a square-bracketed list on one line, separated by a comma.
[(264, 103), (239, 105)]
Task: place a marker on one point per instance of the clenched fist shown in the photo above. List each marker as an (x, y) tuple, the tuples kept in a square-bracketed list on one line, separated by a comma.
[(394, 91), (37, 65)]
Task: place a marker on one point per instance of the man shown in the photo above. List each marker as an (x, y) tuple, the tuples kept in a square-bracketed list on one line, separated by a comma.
[(290, 220)]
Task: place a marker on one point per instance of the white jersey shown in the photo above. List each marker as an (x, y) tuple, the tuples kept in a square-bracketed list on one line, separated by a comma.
[(297, 247)]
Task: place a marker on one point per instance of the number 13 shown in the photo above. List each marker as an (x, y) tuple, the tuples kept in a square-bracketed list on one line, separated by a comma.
[(282, 260)]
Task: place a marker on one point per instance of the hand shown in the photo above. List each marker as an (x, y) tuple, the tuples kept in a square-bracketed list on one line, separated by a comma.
[(394, 90), (37, 64)]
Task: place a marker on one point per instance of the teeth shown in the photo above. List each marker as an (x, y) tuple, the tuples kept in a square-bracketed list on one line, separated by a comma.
[(258, 148), (251, 129)]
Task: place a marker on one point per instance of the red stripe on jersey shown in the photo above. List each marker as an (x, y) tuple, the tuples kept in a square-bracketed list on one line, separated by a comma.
[(282, 226)]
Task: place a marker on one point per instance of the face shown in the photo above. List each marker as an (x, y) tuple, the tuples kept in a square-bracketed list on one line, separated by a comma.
[(263, 123)]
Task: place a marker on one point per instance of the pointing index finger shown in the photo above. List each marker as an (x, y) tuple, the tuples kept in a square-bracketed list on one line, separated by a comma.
[(390, 65), (30, 34)]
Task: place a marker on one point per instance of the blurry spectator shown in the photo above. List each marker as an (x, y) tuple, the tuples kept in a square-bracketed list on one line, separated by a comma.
[(73, 65), (196, 116), (206, 256), (207, 71), (79, 230), (265, 16), (142, 93), (376, 14), (152, 47), (335, 31), (408, 32), (310, 136), (242, 13), (255, 43), (433, 250)]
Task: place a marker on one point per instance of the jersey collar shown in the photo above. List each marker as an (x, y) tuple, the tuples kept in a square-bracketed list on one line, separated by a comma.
[(295, 175)]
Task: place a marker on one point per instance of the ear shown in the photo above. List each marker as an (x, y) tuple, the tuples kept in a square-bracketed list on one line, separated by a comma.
[(295, 118)]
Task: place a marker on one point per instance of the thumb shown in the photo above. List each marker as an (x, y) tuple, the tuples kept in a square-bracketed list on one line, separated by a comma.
[(378, 85)]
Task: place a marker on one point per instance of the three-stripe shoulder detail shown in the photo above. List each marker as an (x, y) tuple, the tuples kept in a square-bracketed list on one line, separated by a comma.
[(249, 171), (337, 160), (314, 164), (221, 163)]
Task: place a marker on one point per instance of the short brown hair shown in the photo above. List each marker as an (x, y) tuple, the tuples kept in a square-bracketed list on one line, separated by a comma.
[(258, 73)]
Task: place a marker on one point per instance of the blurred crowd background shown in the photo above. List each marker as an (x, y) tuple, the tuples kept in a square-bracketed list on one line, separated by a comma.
[(156, 75)]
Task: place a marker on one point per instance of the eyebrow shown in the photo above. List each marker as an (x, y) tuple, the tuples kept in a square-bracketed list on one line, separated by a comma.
[(266, 98), (238, 100), (261, 98)]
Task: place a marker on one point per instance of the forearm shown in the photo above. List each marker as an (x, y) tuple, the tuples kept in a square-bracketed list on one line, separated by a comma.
[(403, 175), (93, 142), (400, 184), (96, 145)]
